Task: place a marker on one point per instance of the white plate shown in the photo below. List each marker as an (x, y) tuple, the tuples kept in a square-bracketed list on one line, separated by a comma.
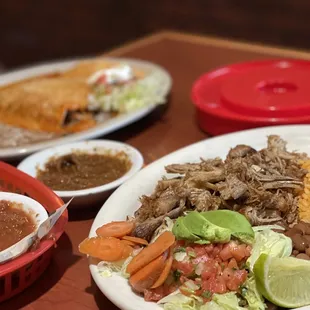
[(102, 129), (91, 195), (117, 288)]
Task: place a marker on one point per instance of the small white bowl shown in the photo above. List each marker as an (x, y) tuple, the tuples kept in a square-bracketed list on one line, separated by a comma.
[(85, 197), (37, 212)]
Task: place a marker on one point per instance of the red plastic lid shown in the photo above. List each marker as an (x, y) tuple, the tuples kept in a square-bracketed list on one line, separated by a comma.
[(255, 94)]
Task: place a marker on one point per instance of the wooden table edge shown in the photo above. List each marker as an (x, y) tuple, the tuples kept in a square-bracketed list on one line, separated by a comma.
[(208, 40)]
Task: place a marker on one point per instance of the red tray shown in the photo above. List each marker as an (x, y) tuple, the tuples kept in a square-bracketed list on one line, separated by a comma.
[(17, 275)]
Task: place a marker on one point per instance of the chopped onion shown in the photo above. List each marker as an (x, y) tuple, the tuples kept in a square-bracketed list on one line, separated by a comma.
[(180, 256), (191, 285), (199, 268)]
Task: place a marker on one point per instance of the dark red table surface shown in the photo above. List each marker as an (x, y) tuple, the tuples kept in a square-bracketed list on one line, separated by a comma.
[(67, 283)]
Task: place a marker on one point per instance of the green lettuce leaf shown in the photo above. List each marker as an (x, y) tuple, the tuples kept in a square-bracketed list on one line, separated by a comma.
[(178, 301), (228, 301), (131, 96), (271, 243), (253, 297)]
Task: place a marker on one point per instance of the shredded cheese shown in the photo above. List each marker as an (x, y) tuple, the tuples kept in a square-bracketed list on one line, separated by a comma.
[(304, 200)]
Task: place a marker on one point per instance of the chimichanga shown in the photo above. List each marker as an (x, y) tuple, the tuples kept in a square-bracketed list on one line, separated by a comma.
[(55, 103), (46, 104), (86, 68)]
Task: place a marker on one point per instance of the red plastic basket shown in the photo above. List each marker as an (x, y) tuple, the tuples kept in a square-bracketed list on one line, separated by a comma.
[(17, 275)]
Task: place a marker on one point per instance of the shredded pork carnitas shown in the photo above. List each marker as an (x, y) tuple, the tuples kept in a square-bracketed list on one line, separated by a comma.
[(263, 185)]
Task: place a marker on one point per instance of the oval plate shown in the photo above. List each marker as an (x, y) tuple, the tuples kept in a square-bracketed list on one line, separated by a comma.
[(100, 130), (116, 288)]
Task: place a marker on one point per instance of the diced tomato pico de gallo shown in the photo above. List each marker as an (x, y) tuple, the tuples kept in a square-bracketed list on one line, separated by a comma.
[(203, 270)]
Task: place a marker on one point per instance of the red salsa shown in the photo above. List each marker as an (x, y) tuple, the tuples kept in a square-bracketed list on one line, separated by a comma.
[(15, 224)]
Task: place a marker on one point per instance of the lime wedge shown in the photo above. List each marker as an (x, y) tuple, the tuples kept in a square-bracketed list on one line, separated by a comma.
[(283, 281)]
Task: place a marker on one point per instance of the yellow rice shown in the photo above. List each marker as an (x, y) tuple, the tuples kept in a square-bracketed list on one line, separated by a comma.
[(304, 200)]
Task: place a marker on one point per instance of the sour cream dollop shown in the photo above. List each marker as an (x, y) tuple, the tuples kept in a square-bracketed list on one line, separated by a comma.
[(119, 74)]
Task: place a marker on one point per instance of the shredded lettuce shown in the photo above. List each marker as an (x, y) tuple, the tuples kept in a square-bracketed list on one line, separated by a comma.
[(253, 297), (107, 269), (228, 301), (269, 242), (267, 227), (178, 301), (167, 225), (131, 96)]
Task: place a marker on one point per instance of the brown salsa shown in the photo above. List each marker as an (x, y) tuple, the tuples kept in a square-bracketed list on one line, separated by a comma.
[(15, 224), (79, 170)]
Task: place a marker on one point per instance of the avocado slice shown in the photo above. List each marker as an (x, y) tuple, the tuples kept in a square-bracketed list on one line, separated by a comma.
[(213, 226), (194, 227), (205, 229), (182, 232), (237, 223)]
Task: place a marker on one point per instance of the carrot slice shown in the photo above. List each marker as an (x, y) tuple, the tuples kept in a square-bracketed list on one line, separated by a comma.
[(116, 229), (135, 240), (152, 251), (127, 242), (165, 273), (108, 249), (147, 276), (126, 251)]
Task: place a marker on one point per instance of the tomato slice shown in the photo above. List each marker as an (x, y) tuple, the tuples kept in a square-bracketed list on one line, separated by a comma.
[(210, 270), (232, 264), (102, 80), (216, 251), (241, 276), (226, 254), (186, 268), (200, 250), (219, 286), (238, 252), (228, 274), (209, 248)]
